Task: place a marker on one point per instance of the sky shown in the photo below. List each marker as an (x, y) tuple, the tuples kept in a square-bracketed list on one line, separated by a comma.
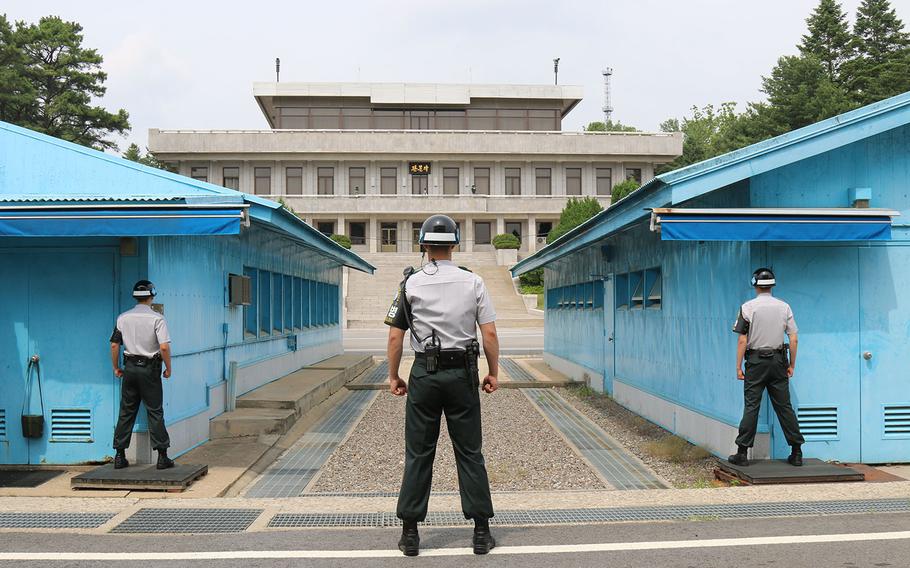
[(191, 64)]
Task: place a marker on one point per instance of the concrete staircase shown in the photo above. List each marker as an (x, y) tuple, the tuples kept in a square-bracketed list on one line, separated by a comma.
[(274, 407), (369, 297)]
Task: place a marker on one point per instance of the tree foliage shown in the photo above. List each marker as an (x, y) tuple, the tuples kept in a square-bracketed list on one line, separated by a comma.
[(342, 240), (622, 189), (134, 154), (828, 38), (576, 212), (609, 126), (506, 241), (49, 82)]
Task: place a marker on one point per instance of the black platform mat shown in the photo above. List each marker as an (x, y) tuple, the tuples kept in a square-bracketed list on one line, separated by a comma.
[(140, 477), (761, 472), (25, 478)]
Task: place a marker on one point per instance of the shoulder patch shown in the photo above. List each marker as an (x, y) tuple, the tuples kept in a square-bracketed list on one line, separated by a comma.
[(465, 268)]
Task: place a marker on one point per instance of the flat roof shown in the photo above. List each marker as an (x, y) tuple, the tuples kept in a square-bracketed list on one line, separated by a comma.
[(443, 94)]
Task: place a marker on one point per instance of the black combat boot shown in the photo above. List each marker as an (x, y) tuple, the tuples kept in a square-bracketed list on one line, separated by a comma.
[(796, 456), (740, 458), (164, 462), (409, 544), (120, 460), (483, 540)]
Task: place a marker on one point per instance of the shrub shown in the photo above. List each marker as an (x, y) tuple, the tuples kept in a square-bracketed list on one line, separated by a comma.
[(532, 278), (506, 241), (342, 240), (576, 212), (623, 189)]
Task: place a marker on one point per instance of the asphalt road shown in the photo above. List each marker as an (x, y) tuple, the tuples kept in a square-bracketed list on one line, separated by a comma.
[(515, 341), (837, 541)]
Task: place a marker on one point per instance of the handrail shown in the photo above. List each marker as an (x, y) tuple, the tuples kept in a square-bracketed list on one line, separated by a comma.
[(414, 131)]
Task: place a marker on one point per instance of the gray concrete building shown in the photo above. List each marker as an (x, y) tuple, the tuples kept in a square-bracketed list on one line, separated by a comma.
[(373, 160)]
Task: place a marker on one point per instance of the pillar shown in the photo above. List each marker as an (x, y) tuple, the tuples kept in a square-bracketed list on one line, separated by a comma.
[(373, 235), (468, 237), (532, 233)]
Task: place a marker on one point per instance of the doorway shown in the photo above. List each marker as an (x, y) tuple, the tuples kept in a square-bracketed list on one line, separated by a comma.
[(389, 237)]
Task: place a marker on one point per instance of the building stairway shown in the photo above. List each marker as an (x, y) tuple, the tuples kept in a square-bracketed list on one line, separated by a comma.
[(368, 297)]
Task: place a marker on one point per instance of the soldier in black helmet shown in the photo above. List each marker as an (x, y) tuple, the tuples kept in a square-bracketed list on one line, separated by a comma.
[(442, 304), (146, 345), (762, 323)]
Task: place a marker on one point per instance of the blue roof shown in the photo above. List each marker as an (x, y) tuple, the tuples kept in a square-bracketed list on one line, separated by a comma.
[(684, 184), (43, 170)]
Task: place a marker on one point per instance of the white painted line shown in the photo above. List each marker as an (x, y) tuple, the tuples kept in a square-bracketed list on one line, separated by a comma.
[(505, 550)]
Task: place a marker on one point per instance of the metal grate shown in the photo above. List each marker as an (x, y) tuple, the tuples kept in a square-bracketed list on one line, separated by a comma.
[(515, 371), (613, 515), (378, 375), (896, 420), (615, 464), (53, 520), (188, 521), (817, 422), (2, 423), (71, 425)]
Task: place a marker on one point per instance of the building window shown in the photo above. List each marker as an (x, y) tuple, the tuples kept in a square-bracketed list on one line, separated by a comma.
[(543, 229), (481, 119), (653, 288), (420, 185), (325, 118), (355, 118), (514, 228), (415, 236), (450, 181), (634, 173), (357, 181), (543, 120), (298, 303), (327, 228), (262, 181), (199, 173), (231, 177), (293, 181), (325, 181), (513, 119), (250, 313), (277, 311), (450, 120), (388, 119), (481, 181), (482, 233), (544, 182), (306, 303), (357, 231), (388, 181), (637, 286), (573, 181), (288, 303), (265, 302), (513, 181), (604, 181)]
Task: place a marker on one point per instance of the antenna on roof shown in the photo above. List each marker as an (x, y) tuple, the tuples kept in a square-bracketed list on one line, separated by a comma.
[(277, 69), (556, 71), (608, 99)]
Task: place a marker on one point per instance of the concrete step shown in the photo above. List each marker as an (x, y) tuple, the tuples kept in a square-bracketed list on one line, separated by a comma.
[(252, 422)]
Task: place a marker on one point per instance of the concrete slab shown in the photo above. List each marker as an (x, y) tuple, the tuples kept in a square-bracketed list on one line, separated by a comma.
[(766, 472), (252, 422), (352, 363), (300, 390), (899, 470), (544, 371), (140, 476)]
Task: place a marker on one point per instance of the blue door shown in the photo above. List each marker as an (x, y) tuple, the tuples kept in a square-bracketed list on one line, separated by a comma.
[(62, 309), (609, 338), (821, 284), (884, 351)]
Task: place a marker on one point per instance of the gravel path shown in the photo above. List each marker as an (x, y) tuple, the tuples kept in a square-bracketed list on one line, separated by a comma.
[(637, 434), (521, 449)]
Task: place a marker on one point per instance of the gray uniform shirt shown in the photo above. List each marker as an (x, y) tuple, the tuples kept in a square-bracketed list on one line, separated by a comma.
[(451, 301), (765, 320), (141, 331)]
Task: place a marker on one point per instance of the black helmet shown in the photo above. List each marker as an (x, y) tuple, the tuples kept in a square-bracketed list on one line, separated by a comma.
[(144, 289), (763, 278), (439, 230)]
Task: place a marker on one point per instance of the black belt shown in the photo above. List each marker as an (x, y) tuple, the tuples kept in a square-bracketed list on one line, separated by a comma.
[(141, 360), (767, 351), (448, 358)]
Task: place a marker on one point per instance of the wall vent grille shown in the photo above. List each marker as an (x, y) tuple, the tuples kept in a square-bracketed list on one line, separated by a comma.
[(71, 425), (818, 422), (2, 423), (896, 418)]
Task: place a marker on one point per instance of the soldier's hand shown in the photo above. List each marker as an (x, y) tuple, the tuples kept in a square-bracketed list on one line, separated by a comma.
[(740, 375), (118, 372), (398, 386), (167, 373), (790, 372), (490, 384)]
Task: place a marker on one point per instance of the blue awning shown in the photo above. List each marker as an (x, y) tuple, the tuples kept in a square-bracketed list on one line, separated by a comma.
[(119, 220), (773, 224)]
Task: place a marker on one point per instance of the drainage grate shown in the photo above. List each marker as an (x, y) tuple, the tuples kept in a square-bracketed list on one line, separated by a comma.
[(54, 520), (619, 514), (71, 425), (620, 468), (896, 420), (515, 371), (378, 375), (817, 422), (188, 521), (294, 470)]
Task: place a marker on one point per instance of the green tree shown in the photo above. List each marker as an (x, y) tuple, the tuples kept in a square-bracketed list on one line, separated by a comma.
[(343, 240), (609, 126), (882, 54), (65, 78), (576, 212), (17, 95), (711, 131), (134, 154), (622, 189), (828, 38)]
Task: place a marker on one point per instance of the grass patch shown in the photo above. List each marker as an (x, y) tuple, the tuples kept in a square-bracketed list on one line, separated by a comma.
[(530, 289), (675, 449)]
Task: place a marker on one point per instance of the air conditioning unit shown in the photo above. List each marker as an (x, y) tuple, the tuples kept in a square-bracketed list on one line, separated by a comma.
[(541, 240), (240, 290)]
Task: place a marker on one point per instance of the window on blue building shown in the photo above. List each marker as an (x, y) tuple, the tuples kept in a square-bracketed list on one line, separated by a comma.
[(589, 295), (315, 305), (622, 291), (250, 328), (637, 285), (598, 294), (288, 303), (306, 309), (298, 303), (654, 288), (265, 302), (277, 295)]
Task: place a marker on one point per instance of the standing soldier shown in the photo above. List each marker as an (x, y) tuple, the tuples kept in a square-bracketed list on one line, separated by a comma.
[(143, 333), (442, 304), (762, 323)]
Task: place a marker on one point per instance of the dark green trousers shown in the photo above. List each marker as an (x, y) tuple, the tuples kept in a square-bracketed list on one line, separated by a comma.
[(767, 373), (141, 384), (456, 394)]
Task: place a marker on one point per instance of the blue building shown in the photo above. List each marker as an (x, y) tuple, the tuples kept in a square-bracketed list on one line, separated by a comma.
[(241, 280), (642, 297)]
